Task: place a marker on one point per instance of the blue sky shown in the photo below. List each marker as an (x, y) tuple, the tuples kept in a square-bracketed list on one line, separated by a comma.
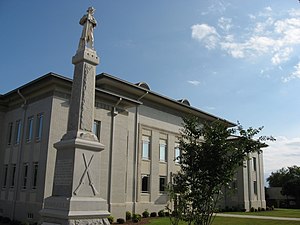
[(236, 59)]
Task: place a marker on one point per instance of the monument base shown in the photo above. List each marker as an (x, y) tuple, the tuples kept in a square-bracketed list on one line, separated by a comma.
[(74, 211)]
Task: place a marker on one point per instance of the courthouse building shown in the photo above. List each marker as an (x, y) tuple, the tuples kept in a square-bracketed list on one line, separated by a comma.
[(139, 129)]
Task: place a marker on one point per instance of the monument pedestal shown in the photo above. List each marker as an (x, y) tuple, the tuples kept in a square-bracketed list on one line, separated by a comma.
[(75, 196), (76, 199)]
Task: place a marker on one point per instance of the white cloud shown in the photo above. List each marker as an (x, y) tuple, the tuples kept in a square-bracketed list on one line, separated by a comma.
[(295, 74), (267, 11), (225, 23), (294, 12), (282, 55), (283, 152), (194, 82), (217, 7), (252, 17), (206, 34), (270, 34)]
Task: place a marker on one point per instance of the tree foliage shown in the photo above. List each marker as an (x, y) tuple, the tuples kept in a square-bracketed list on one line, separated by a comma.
[(289, 179), (210, 156), (283, 175)]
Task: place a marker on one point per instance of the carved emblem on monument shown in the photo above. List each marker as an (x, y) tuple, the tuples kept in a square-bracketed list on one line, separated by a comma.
[(86, 71), (85, 174)]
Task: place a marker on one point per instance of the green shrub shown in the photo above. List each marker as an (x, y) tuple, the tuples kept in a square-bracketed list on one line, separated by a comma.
[(128, 215), (145, 214), (167, 214), (153, 214), (136, 217), (110, 219), (174, 213), (5, 220), (161, 213), (120, 221), (243, 210), (263, 209), (259, 209), (15, 222), (252, 209), (25, 223)]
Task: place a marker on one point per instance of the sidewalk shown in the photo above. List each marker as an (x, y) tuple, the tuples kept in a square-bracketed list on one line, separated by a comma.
[(259, 217)]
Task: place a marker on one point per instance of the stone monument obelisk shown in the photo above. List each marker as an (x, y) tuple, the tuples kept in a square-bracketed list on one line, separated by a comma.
[(75, 197)]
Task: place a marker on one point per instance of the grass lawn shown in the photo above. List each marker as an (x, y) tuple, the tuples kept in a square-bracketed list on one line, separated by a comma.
[(231, 221), (277, 212)]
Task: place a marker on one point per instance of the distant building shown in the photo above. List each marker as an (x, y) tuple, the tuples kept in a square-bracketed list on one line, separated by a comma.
[(139, 129), (278, 200)]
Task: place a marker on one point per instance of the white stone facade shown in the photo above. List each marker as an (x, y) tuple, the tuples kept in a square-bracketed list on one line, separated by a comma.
[(129, 116)]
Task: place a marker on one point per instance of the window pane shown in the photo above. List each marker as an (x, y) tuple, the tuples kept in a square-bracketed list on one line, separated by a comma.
[(35, 173), (162, 184), (177, 153), (25, 174), (13, 175), (255, 187), (163, 150), (39, 127), (29, 129), (18, 132), (145, 183), (10, 130), (254, 164), (96, 128), (146, 148), (5, 175)]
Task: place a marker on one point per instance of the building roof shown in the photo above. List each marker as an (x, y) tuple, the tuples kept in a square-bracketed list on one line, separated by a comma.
[(109, 81), (107, 85)]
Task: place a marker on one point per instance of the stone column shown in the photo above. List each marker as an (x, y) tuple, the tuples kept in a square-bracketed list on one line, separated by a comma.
[(76, 188)]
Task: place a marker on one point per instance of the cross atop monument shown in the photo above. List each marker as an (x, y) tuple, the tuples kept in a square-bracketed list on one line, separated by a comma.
[(89, 23)]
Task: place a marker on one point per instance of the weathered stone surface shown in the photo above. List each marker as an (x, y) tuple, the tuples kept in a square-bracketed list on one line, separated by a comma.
[(76, 198)]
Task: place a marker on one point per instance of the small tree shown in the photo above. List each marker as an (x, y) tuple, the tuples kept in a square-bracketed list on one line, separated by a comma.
[(210, 157), (289, 179), (283, 175)]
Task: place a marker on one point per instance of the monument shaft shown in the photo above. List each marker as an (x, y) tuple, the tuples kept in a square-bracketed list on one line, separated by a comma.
[(76, 188)]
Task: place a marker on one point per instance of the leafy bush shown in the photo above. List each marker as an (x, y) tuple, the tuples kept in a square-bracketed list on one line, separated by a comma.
[(263, 209), (15, 222), (167, 214), (259, 209), (153, 214), (243, 210), (161, 213), (6, 220), (136, 217), (128, 215), (252, 209), (145, 214), (174, 213), (120, 221), (25, 223), (110, 219)]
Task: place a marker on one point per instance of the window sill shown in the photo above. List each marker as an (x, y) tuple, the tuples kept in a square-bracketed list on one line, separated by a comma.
[(147, 160)]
